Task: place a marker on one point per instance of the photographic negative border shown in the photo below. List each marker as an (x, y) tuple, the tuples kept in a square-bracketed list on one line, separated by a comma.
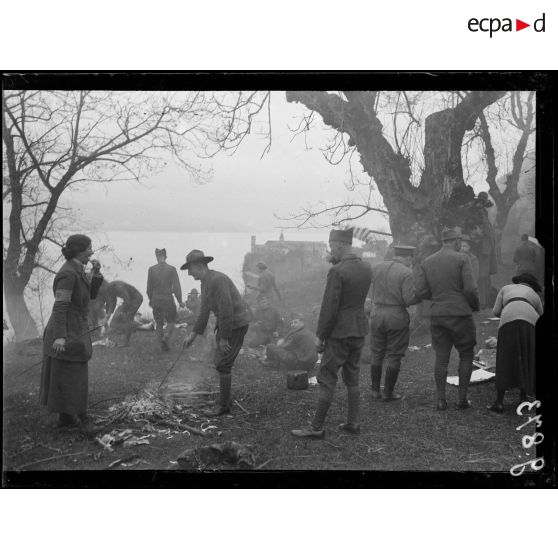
[(544, 83)]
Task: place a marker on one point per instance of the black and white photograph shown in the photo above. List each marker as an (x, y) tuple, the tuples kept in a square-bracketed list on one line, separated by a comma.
[(267, 279)]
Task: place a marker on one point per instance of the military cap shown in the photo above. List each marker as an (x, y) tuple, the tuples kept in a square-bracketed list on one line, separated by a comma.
[(261, 265), (345, 236), (451, 234), (160, 252), (403, 250)]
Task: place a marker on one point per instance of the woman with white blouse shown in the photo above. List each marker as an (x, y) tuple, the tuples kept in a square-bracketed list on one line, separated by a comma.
[(518, 306)]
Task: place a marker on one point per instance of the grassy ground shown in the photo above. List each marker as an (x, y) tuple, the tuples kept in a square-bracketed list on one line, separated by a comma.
[(405, 435)]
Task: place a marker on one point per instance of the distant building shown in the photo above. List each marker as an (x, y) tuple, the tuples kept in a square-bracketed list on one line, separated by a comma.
[(292, 260)]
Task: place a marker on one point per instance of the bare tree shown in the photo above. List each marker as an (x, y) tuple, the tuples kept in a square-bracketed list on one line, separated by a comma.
[(518, 111), (415, 170), (57, 140)]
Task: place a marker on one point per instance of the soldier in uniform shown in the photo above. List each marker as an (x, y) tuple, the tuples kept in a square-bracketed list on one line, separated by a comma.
[(193, 302), (162, 284), (267, 325), (124, 316), (220, 296), (297, 351), (393, 290), (446, 278), (342, 328), (266, 283)]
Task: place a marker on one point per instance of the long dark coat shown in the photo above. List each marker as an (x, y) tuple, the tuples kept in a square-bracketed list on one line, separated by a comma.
[(342, 311), (64, 377)]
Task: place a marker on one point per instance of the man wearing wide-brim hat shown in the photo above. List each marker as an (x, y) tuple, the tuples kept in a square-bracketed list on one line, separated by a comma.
[(220, 296), (342, 328), (393, 290), (446, 278)]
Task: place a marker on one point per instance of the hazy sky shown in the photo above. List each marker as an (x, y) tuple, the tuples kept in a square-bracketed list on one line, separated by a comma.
[(246, 190)]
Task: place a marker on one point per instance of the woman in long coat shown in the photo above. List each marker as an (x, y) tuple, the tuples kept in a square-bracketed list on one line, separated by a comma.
[(518, 306), (67, 341)]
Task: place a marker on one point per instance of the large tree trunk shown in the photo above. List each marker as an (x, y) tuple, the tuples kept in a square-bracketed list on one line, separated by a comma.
[(414, 212), (20, 317)]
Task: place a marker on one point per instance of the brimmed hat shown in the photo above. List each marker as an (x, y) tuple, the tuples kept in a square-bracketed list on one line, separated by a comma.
[(194, 291), (261, 265), (196, 256), (403, 250), (528, 279), (451, 234), (345, 236)]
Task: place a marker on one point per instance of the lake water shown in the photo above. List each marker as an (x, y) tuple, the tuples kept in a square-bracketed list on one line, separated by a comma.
[(132, 253)]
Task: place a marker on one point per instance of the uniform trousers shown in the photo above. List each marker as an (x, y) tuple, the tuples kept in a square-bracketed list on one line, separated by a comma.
[(389, 335), (447, 332), (344, 354)]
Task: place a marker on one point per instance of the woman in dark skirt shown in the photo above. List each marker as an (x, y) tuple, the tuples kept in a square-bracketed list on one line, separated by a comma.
[(518, 306), (67, 341)]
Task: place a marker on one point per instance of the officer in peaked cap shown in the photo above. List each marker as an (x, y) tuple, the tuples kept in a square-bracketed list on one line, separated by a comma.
[(342, 328), (393, 290), (446, 278)]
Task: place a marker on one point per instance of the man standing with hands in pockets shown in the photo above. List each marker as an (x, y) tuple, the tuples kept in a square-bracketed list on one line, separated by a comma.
[(220, 296), (342, 328)]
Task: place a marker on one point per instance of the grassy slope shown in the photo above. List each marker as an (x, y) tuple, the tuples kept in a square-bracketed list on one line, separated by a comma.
[(406, 435)]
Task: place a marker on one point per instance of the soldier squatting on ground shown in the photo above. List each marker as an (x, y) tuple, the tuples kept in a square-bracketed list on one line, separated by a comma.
[(297, 351)]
